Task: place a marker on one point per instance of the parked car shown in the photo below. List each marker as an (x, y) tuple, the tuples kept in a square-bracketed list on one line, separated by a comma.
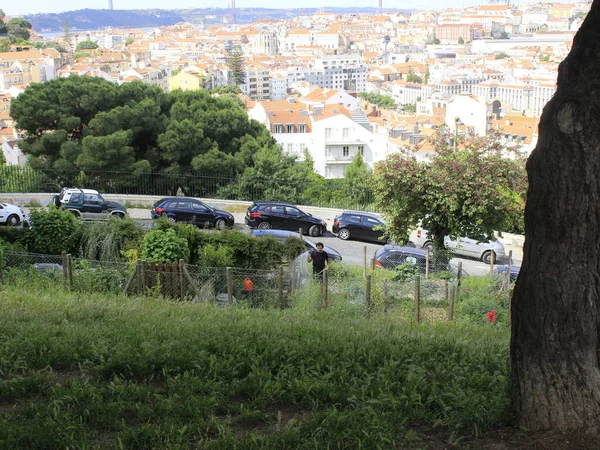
[(514, 271), (282, 235), (463, 246), (11, 214), (392, 256), (360, 225), (281, 216), (88, 201), (191, 210)]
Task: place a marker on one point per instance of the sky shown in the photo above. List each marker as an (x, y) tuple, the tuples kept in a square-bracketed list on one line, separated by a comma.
[(44, 6)]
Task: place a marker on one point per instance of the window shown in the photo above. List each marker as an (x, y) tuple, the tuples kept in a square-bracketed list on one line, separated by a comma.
[(345, 150), (292, 212), (289, 128), (372, 222), (353, 219), (290, 148), (327, 133), (277, 210), (75, 198), (278, 128), (346, 133), (302, 128), (184, 205), (92, 198), (361, 150), (302, 148), (199, 208)]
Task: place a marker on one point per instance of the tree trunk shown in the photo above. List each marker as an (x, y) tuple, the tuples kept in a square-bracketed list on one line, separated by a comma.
[(555, 311)]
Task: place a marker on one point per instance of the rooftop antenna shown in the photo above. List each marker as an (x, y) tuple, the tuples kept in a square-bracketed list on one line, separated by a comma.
[(110, 4), (233, 11), (380, 10)]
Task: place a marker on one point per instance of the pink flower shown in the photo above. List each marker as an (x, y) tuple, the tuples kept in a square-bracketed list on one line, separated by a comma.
[(491, 316)]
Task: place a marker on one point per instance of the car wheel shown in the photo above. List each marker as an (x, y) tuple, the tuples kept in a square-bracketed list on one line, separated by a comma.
[(13, 220), (486, 257), (119, 215), (75, 212), (314, 231), (428, 246), (264, 226), (220, 224), (171, 219), (344, 234)]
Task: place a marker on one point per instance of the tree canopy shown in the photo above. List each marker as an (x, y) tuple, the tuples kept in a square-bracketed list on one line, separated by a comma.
[(86, 45), (471, 191), (18, 28), (382, 101), (86, 123)]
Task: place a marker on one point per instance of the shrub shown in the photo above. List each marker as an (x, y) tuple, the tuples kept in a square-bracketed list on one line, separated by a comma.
[(215, 256), (478, 296), (160, 246), (293, 247), (106, 241), (53, 231)]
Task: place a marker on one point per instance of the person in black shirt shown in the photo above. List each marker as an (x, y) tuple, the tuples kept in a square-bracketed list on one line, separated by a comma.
[(320, 260)]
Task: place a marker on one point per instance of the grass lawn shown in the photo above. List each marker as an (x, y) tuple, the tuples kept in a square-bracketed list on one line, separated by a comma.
[(94, 371)]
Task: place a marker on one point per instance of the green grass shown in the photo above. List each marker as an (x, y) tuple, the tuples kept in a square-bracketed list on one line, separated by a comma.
[(93, 371)]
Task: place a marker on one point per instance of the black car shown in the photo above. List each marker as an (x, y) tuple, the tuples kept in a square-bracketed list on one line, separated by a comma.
[(362, 226), (392, 256), (190, 210), (281, 216), (514, 271), (282, 235)]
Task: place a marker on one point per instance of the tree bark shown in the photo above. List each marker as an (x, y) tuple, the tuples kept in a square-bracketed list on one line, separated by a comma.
[(555, 342)]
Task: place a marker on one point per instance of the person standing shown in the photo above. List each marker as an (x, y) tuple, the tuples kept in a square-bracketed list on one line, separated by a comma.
[(320, 261)]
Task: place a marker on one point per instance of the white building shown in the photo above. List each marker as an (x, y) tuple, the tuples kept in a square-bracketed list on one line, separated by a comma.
[(278, 86), (471, 111)]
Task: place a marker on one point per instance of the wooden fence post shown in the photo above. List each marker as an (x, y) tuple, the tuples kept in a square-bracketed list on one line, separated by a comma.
[(70, 271), (446, 290), (144, 276), (450, 315), (300, 232), (280, 287), (492, 261), (1, 274), (368, 293), (458, 280), (418, 298), (132, 277), (139, 268), (324, 288), (427, 259), (510, 297), (182, 286), (229, 286)]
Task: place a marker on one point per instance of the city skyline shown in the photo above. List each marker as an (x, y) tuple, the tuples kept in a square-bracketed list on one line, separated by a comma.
[(42, 7)]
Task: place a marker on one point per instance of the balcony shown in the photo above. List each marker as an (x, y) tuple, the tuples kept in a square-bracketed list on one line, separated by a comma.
[(339, 159)]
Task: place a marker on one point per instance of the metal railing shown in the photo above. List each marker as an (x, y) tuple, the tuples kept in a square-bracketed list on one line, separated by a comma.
[(335, 194)]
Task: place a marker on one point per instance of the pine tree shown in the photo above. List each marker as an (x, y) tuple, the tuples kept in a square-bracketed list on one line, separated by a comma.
[(236, 63)]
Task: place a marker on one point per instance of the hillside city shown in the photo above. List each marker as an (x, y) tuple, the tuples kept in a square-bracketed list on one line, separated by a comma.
[(316, 81)]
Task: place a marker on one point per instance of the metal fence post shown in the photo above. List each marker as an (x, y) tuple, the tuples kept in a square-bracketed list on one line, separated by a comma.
[(365, 261), (458, 280), (418, 298), (507, 273), (427, 263), (70, 271), (65, 266), (492, 261)]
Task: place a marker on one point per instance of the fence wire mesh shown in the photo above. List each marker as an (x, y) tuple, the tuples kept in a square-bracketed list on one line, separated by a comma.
[(425, 295)]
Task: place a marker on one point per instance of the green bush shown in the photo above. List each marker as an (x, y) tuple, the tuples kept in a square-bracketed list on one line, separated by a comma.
[(215, 256), (105, 241), (12, 234), (160, 246), (478, 296), (53, 231)]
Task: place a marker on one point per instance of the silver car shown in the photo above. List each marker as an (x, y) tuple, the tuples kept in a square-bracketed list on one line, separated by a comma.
[(463, 246)]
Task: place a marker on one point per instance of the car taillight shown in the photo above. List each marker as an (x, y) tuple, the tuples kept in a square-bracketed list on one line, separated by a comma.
[(418, 233), (255, 215), (378, 264), (159, 210), (336, 223)]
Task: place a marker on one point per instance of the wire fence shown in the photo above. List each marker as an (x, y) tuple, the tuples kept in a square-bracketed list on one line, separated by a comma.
[(411, 296), (335, 194)]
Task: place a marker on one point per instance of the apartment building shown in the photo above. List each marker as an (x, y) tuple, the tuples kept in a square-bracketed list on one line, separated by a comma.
[(452, 33), (542, 93), (258, 82), (405, 93), (152, 76)]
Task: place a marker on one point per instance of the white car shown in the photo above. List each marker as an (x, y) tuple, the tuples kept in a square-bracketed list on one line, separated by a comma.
[(463, 246), (11, 215)]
